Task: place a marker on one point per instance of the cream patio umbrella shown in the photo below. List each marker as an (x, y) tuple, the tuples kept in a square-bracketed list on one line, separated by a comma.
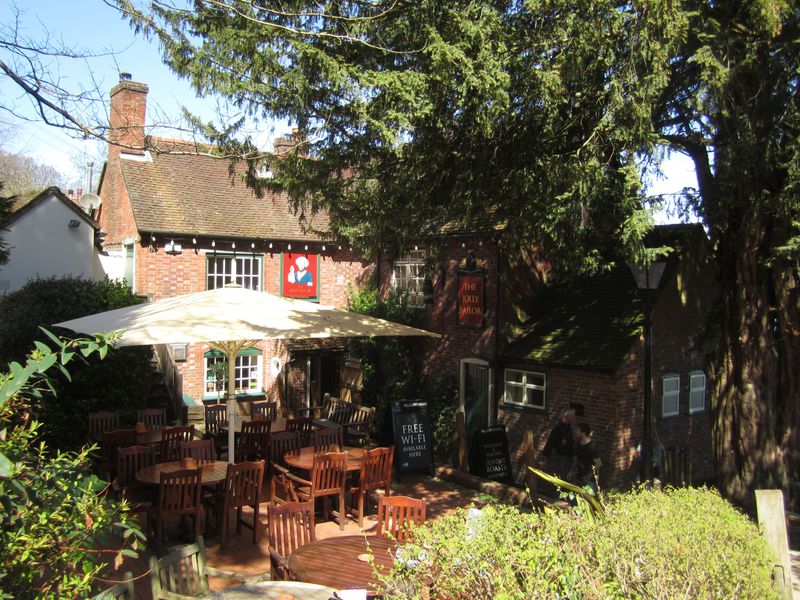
[(230, 319)]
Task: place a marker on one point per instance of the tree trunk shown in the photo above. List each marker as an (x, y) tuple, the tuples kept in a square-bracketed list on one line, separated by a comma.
[(755, 406)]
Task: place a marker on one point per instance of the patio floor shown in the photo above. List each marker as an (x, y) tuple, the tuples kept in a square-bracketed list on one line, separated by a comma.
[(242, 556)]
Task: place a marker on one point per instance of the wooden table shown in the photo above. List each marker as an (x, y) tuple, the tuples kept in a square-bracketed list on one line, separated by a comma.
[(213, 472), (335, 561), (304, 458), (271, 590), (149, 437)]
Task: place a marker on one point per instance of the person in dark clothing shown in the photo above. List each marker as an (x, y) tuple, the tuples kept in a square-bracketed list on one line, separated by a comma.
[(587, 458), (560, 446)]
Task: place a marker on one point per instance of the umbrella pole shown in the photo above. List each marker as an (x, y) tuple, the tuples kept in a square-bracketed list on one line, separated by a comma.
[(231, 409)]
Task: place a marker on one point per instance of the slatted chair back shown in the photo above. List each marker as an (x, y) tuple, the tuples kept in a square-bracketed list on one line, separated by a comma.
[(359, 427), (243, 483), (253, 441), (180, 574), (112, 442), (302, 425), (281, 443), (153, 418), (328, 439), (397, 514), (102, 420), (129, 461), (375, 474), (215, 417), (200, 450), (120, 591), (171, 439), (290, 526), (264, 410), (328, 473), (179, 494)]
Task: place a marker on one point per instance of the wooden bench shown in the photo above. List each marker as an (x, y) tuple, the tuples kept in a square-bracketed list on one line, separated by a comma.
[(356, 420)]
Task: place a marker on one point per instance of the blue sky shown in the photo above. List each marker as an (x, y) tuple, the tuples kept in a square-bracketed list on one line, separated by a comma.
[(94, 26)]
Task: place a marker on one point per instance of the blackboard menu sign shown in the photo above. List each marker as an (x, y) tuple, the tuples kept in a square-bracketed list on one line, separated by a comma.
[(413, 441), (495, 461)]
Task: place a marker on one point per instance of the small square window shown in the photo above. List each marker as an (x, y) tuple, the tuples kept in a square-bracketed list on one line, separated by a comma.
[(525, 388)]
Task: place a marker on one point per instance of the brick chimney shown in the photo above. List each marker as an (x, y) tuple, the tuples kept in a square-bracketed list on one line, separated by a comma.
[(127, 118)]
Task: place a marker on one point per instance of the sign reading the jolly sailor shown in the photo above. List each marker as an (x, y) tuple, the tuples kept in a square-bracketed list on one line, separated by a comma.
[(470, 300)]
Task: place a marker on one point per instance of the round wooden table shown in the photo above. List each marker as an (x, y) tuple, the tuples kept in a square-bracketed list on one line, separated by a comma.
[(213, 472), (304, 458), (272, 590), (278, 424), (335, 562)]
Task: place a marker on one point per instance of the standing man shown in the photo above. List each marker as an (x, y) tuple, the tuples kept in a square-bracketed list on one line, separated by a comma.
[(560, 446), (587, 458)]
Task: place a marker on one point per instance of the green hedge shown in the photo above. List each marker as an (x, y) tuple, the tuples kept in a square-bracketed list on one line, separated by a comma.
[(686, 543)]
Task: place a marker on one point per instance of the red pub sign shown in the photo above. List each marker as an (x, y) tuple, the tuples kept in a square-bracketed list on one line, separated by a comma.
[(300, 275), (470, 300)]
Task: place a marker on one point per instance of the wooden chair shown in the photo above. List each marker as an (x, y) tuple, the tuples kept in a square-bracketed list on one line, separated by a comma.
[(112, 442), (328, 476), (216, 415), (290, 526), (179, 495), (396, 514), (129, 461), (171, 439), (328, 439), (358, 429), (100, 421), (122, 590), (153, 418), (242, 488), (375, 474), (200, 450), (252, 443), (183, 573), (303, 426), (264, 411), (281, 443)]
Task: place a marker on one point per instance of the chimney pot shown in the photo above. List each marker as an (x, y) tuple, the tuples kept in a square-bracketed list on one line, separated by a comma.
[(125, 76)]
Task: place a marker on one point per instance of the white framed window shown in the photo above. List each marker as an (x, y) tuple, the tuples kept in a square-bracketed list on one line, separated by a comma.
[(248, 369), (408, 276), (525, 388), (240, 269), (697, 392), (670, 394)]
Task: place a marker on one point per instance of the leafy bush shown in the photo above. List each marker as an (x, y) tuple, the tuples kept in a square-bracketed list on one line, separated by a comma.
[(121, 382), (686, 543), (390, 365), (54, 516)]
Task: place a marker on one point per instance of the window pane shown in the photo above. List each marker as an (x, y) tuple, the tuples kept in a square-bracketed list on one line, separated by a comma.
[(536, 397), (536, 379), (515, 376), (697, 392), (670, 395), (514, 394)]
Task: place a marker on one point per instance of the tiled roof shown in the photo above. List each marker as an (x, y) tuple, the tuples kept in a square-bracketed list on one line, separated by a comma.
[(485, 222), (589, 323), (197, 195)]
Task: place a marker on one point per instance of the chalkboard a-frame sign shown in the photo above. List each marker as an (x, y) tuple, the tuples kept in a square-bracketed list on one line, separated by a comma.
[(495, 461), (413, 441)]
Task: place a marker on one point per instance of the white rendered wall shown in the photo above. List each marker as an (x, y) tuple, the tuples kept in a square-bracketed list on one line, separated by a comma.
[(42, 244)]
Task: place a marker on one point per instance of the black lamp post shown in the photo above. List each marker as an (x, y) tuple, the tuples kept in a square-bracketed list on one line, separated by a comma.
[(647, 278)]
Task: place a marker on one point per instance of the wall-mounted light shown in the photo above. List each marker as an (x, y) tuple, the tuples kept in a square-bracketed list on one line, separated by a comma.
[(74, 223), (233, 245), (323, 247), (270, 245), (288, 246), (173, 248), (179, 352)]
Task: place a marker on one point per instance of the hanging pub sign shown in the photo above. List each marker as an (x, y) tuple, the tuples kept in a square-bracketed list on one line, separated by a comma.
[(470, 299), (300, 275), (413, 441)]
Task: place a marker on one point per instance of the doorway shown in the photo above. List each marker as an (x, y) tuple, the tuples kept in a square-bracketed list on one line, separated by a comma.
[(324, 377), (476, 388)]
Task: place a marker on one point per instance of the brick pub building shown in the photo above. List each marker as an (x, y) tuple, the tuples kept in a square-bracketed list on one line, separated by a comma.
[(177, 221)]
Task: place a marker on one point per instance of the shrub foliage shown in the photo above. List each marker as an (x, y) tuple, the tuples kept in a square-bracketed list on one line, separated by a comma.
[(120, 382), (686, 543)]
